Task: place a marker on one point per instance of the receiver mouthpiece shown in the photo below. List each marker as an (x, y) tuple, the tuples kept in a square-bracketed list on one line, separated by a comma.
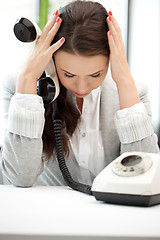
[(46, 89)]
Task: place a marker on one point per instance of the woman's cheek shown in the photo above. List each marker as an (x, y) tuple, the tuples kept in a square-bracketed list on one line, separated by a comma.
[(65, 82)]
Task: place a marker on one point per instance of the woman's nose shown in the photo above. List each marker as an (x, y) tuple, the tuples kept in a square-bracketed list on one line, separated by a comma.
[(82, 86)]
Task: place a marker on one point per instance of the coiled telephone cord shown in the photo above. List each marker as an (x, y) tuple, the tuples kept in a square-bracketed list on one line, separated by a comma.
[(57, 128)]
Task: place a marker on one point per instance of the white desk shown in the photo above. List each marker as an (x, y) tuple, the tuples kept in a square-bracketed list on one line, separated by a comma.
[(61, 213)]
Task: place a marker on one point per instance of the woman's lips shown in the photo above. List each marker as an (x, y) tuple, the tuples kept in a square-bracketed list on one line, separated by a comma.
[(81, 94)]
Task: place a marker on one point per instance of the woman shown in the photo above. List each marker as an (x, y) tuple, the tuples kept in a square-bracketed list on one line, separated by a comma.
[(103, 114)]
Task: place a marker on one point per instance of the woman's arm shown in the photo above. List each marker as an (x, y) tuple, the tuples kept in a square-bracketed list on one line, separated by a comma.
[(21, 154), (134, 126), (127, 92)]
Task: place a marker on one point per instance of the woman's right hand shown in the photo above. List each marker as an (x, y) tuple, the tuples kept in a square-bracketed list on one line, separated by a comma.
[(40, 57)]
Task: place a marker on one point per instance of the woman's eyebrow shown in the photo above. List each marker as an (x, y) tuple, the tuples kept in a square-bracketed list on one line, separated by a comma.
[(95, 72), (68, 72), (88, 74)]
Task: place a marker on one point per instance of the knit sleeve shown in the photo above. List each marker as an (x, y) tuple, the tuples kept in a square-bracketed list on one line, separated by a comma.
[(133, 124), (26, 115)]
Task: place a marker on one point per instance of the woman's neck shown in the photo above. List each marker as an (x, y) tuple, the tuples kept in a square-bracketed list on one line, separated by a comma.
[(79, 102)]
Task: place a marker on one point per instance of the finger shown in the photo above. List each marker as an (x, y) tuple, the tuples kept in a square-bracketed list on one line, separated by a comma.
[(50, 36), (113, 31), (53, 48), (111, 42), (49, 24), (117, 27), (38, 38)]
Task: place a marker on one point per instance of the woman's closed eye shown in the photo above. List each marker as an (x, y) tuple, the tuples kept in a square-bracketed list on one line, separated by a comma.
[(72, 75), (68, 75), (96, 75)]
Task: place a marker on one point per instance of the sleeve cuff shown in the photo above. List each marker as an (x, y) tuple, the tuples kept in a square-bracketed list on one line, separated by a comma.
[(26, 121), (138, 107), (133, 125)]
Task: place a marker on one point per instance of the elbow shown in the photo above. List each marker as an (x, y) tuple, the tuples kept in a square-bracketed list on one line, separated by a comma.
[(23, 182), (21, 178), (19, 181)]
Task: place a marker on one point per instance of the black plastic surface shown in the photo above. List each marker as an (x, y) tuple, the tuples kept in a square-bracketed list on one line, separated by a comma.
[(128, 199), (46, 89), (25, 30)]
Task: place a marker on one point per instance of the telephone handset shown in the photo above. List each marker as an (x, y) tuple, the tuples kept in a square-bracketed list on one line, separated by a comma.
[(131, 179), (26, 31)]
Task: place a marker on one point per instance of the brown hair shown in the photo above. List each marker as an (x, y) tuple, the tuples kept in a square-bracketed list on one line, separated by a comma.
[(85, 30)]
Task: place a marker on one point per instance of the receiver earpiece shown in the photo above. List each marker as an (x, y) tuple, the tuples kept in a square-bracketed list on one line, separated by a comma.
[(24, 30)]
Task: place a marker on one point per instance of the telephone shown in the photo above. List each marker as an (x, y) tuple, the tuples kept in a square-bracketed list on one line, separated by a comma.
[(131, 179)]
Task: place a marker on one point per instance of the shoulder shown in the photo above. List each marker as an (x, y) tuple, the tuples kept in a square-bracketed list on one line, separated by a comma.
[(141, 88), (9, 83), (109, 87)]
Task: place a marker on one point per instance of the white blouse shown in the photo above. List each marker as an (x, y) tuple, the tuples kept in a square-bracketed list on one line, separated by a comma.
[(86, 142)]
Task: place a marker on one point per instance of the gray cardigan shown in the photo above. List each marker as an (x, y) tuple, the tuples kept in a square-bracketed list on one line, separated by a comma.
[(22, 157)]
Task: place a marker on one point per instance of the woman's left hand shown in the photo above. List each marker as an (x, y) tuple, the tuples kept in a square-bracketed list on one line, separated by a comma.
[(118, 62), (128, 95)]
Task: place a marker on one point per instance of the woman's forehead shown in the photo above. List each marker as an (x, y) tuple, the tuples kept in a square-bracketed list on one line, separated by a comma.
[(78, 63)]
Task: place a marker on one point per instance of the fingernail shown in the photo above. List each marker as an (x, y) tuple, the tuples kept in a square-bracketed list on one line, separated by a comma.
[(110, 13), (109, 33), (110, 18), (58, 19), (62, 39), (55, 13)]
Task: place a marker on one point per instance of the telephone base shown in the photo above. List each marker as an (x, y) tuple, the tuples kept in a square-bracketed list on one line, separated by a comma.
[(127, 199)]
